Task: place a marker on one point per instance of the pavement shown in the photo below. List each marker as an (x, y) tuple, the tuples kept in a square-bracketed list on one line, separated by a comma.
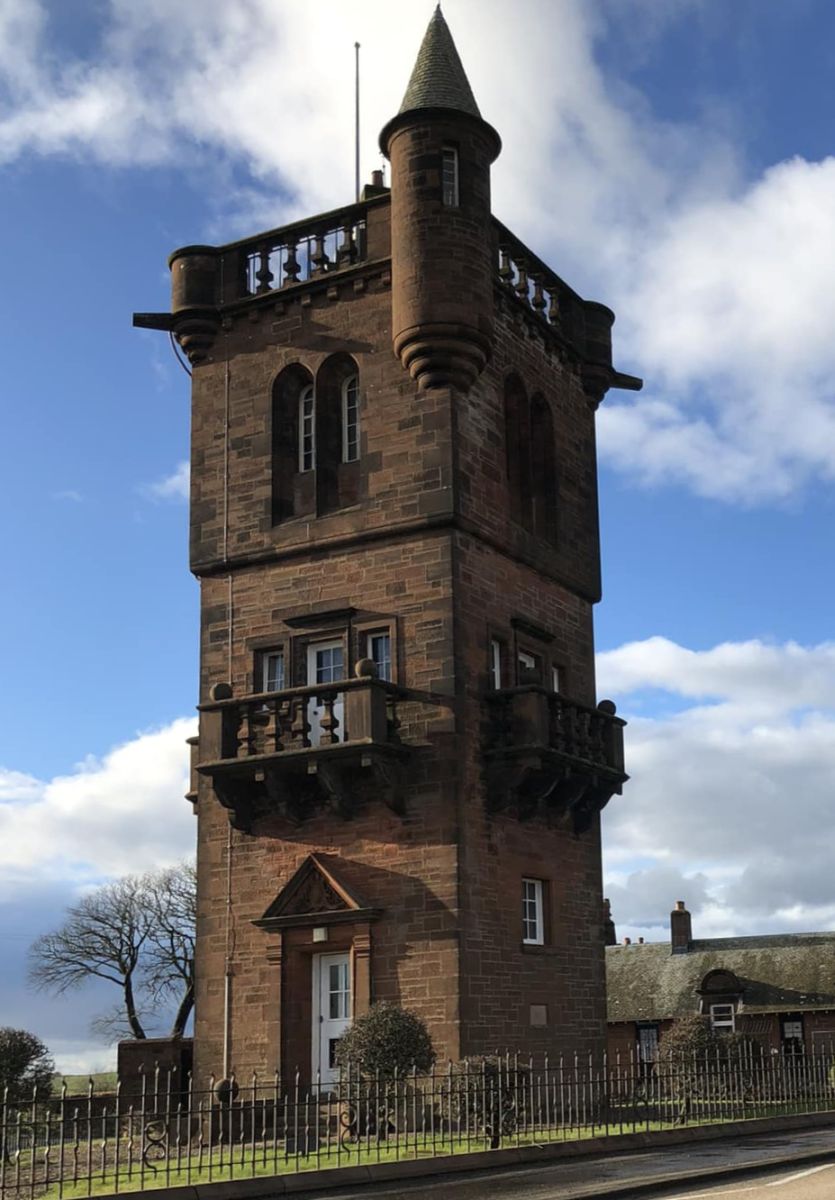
[(681, 1171)]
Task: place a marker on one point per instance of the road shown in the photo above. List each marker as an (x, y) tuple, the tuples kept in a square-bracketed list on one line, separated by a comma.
[(810, 1183), (617, 1174)]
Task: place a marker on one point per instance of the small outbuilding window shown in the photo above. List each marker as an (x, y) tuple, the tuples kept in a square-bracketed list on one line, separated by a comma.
[(722, 1018)]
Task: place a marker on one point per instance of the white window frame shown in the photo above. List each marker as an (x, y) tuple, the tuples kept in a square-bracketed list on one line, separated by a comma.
[(496, 663), (370, 638), (555, 678), (351, 419), (533, 913), (307, 428), (723, 1018), (449, 179), (277, 653)]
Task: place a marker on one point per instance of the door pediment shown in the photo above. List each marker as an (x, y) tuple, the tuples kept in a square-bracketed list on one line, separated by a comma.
[(316, 895)]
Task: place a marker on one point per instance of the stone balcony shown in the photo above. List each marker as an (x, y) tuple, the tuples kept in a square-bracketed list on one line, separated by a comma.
[(550, 755), (293, 751)]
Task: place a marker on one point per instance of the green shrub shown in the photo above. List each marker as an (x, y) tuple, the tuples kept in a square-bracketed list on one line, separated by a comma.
[(385, 1042)]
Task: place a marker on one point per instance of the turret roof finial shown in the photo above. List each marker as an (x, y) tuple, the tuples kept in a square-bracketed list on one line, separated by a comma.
[(438, 78)]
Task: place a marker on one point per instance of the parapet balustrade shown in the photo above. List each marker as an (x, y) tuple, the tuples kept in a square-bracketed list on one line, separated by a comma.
[(296, 253), (289, 749), (530, 280), (546, 749)]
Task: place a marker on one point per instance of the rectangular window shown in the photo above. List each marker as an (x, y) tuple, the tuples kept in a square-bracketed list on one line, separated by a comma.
[(272, 671), (533, 924), (449, 176), (496, 663), (350, 420), (555, 679), (307, 429), (328, 663), (722, 1018), (379, 651)]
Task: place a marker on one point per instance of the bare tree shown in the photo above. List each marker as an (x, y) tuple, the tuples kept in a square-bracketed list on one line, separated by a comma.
[(170, 959), (137, 933)]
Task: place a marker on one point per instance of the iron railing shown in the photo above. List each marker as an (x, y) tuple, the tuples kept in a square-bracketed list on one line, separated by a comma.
[(162, 1129)]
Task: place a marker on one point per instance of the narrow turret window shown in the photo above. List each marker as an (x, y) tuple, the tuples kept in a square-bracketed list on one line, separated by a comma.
[(307, 429), (350, 420), (449, 176)]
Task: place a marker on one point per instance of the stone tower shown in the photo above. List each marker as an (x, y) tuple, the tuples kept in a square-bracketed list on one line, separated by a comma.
[(401, 761)]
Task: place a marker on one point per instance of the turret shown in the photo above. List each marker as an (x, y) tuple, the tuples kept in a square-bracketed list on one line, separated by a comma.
[(442, 245)]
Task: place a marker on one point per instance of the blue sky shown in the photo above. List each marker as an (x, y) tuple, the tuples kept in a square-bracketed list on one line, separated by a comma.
[(671, 159)]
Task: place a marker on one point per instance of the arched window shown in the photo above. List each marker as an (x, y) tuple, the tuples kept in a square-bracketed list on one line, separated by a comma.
[(531, 460), (543, 471), (293, 437), (316, 439), (338, 441), (517, 442)]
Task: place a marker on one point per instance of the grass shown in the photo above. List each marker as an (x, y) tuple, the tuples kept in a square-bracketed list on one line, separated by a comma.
[(193, 1164), (78, 1085)]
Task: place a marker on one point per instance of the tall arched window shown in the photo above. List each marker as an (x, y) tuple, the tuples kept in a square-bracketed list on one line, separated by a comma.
[(543, 471), (293, 437), (316, 439), (531, 465)]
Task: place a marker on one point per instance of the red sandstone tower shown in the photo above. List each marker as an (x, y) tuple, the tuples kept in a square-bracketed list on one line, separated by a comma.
[(401, 762)]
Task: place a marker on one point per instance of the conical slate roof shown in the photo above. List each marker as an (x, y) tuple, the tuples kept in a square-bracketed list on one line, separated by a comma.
[(438, 78)]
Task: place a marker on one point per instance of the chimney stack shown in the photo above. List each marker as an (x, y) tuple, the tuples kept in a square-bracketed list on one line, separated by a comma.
[(681, 930), (377, 179)]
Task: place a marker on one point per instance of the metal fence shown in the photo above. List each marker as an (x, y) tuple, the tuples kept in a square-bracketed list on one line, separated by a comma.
[(161, 1129)]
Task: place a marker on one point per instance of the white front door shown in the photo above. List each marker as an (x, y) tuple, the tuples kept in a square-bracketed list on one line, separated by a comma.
[(332, 1007), (325, 664)]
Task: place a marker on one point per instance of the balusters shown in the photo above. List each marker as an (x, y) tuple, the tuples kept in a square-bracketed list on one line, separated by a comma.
[(347, 251), (319, 257), (538, 302), (298, 257), (246, 732), (506, 272), (553, 307), (264, 275), (597, 738), (292, 267), (328, 722), (522, 287), (300, 725)]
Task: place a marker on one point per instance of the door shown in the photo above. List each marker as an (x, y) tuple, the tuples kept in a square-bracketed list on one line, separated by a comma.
[(331, 1011), (325, 664)]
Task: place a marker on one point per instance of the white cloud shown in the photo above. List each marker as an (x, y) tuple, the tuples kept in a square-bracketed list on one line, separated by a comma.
[(122, 813), (173, 487), (722, 281), (733, 792)]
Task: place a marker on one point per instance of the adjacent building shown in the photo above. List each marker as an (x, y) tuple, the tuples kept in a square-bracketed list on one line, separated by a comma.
[(401, 760), (779, 988)]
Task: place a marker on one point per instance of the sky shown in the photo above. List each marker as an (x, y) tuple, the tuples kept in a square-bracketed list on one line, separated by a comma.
[(672, 158)]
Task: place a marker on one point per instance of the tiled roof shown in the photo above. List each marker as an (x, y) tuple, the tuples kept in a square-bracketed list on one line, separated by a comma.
[(438, 78), (777, 973)]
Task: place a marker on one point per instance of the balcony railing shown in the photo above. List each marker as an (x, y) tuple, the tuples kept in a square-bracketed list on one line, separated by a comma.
[(264, 749), (545, 748), (296, 253), (527, 277)]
